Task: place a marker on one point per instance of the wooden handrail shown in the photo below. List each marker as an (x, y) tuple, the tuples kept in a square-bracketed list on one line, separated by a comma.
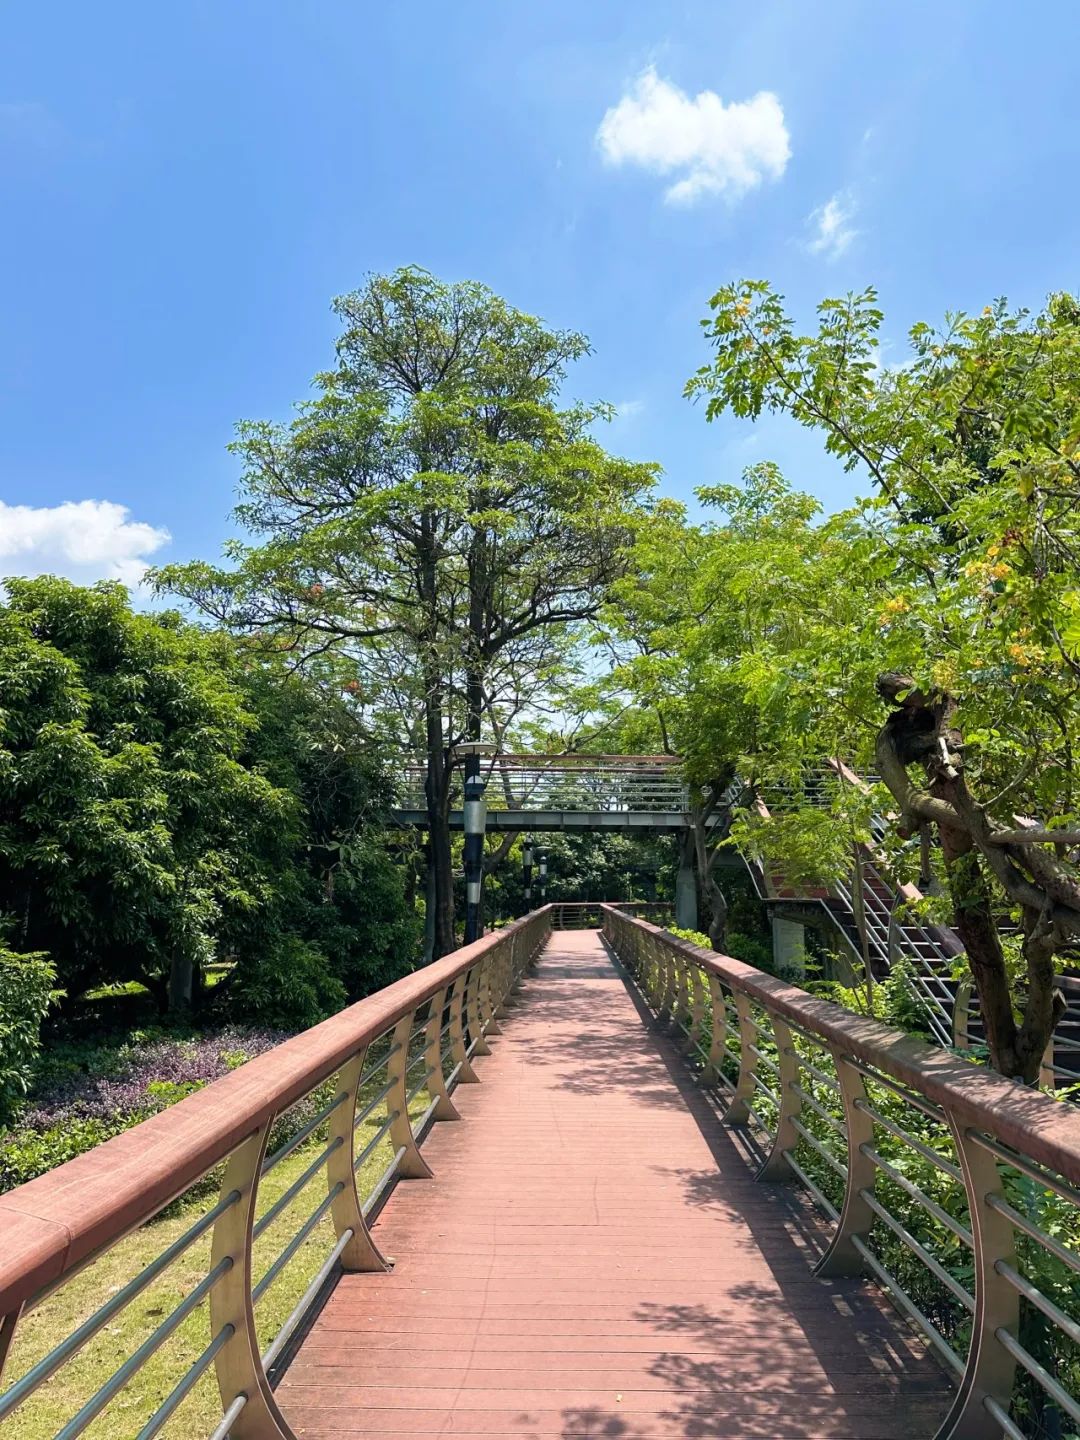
[(984, 1129), (1032, 1123)]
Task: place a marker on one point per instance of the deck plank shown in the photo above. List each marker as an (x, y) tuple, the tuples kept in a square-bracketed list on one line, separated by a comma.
[(593, 1259)]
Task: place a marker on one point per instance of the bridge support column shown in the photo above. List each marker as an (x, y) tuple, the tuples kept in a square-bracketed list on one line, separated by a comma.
[(789, 946), (686, 907)]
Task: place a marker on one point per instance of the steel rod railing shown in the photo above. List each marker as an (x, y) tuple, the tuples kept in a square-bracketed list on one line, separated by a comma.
[(956, 1189), (361, 1088)]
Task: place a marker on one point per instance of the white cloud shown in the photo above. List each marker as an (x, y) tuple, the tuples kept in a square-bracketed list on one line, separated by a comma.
[(628, 409), (833, 230), (721, 149), (85, 540)]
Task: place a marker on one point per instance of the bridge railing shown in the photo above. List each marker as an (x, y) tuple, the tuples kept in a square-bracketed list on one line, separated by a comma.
[(342, 1107), (955, 1188), (600, 783), (589, 914)]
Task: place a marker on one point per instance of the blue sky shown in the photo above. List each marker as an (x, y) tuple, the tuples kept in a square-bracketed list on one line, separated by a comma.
[(186, 186)]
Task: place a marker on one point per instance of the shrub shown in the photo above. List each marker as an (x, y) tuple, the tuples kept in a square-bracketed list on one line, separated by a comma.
[(291, 985), (26, 992)]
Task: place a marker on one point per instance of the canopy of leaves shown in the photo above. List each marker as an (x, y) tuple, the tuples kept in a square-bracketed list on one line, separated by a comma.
[(166, 798)]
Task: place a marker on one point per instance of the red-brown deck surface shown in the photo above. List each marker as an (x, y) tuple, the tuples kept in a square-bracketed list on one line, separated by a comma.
[(594, 1259)]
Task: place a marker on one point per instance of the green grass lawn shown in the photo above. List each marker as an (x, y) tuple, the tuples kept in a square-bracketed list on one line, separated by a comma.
[(56, 1401)]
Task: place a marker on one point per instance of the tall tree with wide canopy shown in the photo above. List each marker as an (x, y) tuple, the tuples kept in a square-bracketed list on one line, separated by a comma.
[(434, 523)]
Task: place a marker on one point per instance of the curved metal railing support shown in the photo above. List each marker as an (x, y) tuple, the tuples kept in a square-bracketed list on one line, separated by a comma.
[(843, 1257), (718, 1032), (740, 1104), (776, 1165), (443, 1107), (459, 1050), (346, 1211), (241, 1377), (411, 1164), (991, 1369)]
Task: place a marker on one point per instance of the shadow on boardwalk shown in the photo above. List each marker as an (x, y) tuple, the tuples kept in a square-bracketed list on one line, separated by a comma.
[(594, 1259)]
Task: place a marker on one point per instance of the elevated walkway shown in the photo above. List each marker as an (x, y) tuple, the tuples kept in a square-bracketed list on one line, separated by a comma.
[(684, 1199), (593, 1259)]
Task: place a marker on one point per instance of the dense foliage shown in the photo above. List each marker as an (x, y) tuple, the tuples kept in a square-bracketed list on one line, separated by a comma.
[(168, 799), (927, 634), (87, 1090), (26, 991)]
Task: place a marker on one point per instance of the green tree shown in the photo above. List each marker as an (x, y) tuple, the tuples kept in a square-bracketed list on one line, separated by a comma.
[(952, 596), (168, 798), (434, 522)]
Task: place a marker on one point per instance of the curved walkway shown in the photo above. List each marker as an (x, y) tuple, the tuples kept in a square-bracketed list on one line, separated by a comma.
[(593, 1258)]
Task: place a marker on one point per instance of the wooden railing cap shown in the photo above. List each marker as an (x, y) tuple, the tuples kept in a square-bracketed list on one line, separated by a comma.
[(1043, 1129), (54, 1224)]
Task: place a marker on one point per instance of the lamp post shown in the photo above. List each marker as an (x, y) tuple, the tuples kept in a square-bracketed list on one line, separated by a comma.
[(526, 870), (475, 819), (543, 876)]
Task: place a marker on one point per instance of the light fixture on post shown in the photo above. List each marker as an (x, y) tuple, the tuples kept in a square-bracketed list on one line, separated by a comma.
[(543, 876), (475, 823)]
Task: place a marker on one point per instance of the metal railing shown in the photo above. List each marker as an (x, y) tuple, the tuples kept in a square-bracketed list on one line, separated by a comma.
[(956, 1189), (351, 1098), (589, 914), (596, 783)]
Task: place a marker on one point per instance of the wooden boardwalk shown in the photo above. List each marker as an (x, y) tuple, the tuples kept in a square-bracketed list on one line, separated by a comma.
[(593, 1258)]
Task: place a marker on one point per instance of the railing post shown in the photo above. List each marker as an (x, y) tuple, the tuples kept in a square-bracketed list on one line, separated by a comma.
[(445, 1109), (856, 1217), (666, 966), (681, 1007), (738, 1111), (473, 1014), (459, 1051), (718, 1021), (776, 1166), (8, 1325), (658, 973), (413, 1166), (990, 1369), (239, 1368), (361, 1253), (697, 1010), (488, 1000), (504, 969)]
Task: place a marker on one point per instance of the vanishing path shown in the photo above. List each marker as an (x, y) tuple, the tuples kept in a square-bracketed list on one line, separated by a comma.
[(593, 1258)]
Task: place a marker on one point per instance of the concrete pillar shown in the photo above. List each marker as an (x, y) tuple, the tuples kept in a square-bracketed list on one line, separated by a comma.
[(686, 914), (789, 946)]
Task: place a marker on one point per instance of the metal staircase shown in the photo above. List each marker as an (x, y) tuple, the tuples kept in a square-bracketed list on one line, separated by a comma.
[(944, 996)]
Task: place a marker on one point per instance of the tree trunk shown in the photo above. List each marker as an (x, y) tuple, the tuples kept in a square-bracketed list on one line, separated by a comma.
[(181, 981), (711, 891), (437, 788)]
